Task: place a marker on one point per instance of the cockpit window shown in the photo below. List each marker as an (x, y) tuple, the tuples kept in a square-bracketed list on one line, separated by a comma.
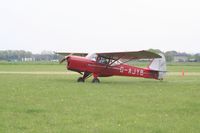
[(116, 63), (102, 60), (92, 57)]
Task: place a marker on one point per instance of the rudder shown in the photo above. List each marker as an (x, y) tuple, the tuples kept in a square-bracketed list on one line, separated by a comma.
[(159, 64)]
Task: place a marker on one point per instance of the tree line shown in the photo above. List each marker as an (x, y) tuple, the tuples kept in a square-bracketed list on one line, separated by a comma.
[(22, 55), (174, 56)]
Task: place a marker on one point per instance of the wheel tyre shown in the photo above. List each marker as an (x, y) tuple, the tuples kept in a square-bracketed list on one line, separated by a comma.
[(80, 80), (95, 80)]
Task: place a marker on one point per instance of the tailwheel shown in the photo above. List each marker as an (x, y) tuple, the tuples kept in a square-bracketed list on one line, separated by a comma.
[(95, 80), (80, 79)]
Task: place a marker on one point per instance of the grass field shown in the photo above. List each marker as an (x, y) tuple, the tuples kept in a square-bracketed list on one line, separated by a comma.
[(56, 103)]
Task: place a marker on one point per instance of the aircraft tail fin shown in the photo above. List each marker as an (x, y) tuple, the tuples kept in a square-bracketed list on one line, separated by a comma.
[(159, 64)]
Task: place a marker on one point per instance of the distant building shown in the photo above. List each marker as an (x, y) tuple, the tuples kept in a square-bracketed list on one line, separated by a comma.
[(192, 60), (180, 58), (54, 60), (28, 59)]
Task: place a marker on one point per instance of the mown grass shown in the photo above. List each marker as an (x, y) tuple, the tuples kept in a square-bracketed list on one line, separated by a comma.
[(187, 67), (57, 104), (32, 67)]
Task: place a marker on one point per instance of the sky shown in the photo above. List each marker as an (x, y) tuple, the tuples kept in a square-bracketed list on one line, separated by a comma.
[(100, 25)]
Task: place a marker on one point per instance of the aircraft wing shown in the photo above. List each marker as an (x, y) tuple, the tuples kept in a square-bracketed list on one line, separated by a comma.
[(130, 55), (66, 53)]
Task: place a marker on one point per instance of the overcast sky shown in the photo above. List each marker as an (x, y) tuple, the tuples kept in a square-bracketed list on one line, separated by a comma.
[(100, 25)]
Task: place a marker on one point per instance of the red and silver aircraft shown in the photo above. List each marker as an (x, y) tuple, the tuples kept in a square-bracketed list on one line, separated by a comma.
[(114, 64)]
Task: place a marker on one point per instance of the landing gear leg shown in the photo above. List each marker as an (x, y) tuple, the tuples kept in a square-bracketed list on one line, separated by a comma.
[(95, 79), (85, 75)]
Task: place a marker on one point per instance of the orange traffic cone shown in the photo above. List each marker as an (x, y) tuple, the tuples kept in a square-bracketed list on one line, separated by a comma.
[(183, 73)]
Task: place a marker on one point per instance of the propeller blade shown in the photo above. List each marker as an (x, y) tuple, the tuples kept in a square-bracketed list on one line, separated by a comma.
[(61, 61)]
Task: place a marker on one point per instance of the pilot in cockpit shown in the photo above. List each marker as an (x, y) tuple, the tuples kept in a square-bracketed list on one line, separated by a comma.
[(102, 60)]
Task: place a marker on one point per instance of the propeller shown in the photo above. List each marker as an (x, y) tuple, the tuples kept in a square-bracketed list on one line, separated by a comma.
[(64, 59)]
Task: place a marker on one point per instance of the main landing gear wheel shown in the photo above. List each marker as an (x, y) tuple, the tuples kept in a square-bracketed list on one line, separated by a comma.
[(95, 80), (80, 80)]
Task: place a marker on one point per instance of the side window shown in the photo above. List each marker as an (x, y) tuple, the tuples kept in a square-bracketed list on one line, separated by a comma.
[(102, 60)]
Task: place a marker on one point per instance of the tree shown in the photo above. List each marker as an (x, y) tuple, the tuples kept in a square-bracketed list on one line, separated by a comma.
[(155, 50), (169, 55), (197, 57), (14, 55)]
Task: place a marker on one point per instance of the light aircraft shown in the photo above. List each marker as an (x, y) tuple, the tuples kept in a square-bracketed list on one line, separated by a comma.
[(114, 64)]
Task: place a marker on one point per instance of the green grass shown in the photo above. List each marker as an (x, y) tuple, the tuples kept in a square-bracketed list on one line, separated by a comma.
[(32, 67), (187, 67), (57, 104)]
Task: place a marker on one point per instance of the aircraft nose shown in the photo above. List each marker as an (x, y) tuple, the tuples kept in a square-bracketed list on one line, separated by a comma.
[(68, 60)]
